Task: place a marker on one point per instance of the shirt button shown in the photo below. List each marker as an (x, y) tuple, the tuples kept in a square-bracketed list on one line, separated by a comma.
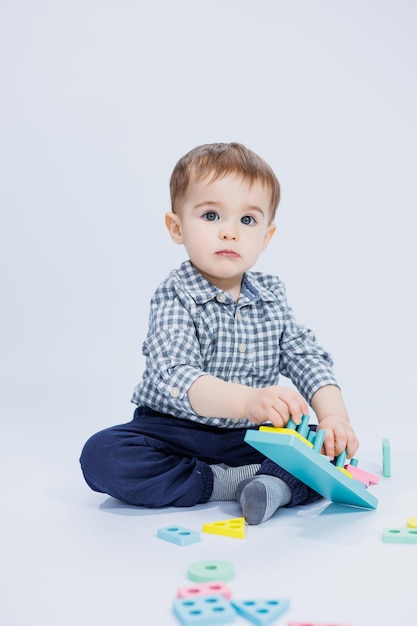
[(175, 392), (242, 347), (235, 380), (238, 316), (221, 297)]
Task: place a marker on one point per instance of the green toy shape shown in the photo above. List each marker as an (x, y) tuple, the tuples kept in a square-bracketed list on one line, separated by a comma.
[(206, 571)]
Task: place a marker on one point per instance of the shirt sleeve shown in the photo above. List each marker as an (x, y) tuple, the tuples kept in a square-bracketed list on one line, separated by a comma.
[(173, 355), (307, 364)]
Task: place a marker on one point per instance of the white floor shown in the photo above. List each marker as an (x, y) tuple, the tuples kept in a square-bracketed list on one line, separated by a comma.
[(71, 556)]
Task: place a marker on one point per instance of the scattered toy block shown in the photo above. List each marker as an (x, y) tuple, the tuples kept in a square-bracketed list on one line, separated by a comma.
[(359, 474), (261, 612), (314, 624), (228, 528), (205, 589), (386, 458), (209, 571), (178, 535), (399, 535), (205, 611), (412, 522), (311, 467)]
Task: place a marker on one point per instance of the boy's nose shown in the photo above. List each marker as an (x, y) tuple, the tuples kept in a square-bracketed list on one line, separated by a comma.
[(228, 232)]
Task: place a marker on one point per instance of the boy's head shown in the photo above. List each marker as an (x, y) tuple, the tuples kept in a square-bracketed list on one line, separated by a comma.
[(216, 160)]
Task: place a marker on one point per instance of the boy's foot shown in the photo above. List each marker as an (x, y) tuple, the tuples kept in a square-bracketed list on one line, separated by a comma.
[(261, 496), (226, 479)]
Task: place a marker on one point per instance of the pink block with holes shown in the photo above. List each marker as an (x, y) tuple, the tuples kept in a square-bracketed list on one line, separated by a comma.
[(204, 589), (364, 477), (315, 624)]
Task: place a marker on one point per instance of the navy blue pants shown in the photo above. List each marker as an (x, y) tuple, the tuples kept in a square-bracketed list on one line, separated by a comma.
[(159, 460)]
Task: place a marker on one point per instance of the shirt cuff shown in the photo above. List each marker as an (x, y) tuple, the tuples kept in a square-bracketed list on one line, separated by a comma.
[(176, 387)]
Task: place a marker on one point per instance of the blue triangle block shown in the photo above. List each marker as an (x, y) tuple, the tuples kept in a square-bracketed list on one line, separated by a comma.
[(204, 611), (261, 612)]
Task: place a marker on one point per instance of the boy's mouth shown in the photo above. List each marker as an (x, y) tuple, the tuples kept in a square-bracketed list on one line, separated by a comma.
[(230, 253)]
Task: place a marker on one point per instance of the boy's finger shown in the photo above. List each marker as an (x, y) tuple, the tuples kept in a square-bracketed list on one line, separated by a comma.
[(297, 406), (329, 444), (352, 445)]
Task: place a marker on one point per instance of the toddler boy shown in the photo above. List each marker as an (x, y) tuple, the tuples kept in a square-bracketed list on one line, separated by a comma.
[(219, 336)]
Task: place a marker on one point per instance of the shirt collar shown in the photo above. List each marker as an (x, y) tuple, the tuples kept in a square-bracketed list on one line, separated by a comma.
[(202, 290)]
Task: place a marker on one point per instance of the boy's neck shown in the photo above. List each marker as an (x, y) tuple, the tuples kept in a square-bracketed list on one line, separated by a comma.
[(231, 285)]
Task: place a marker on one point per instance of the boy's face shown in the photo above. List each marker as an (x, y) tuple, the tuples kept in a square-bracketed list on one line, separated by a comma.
[(224, 226)]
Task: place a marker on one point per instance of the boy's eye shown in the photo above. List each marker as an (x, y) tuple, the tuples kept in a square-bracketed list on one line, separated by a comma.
[(248, 220), (211, 216)]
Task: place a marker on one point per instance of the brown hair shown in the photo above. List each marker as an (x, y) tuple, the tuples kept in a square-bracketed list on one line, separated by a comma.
[(216, 160)]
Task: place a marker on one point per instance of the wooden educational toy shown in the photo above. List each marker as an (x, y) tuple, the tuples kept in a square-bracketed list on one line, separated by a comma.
[(314, 624), (364, 477), (178, 535), (204, 611), (297, 450), (261, 612), (399, 535), (228, 528), (208, 571), (386, 458), (205, 589)]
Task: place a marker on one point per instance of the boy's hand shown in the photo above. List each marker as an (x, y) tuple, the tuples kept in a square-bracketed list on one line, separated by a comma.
[(339, 436), (275, 404), (333, 417)]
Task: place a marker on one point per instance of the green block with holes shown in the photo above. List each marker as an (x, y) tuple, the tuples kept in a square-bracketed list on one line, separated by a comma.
[(399, 535)]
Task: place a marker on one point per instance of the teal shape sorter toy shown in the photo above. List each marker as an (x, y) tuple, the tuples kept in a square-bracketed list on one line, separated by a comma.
[(301, 457)]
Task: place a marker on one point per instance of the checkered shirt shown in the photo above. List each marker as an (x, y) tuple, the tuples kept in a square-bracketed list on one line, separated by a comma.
[(197, 329)]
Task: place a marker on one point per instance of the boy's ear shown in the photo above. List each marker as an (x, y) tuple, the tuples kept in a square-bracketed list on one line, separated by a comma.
[(173, 223), (269, 234)]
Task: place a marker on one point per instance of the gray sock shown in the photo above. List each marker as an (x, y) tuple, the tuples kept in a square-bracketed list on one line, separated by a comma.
[(261, 496), (226, 479)]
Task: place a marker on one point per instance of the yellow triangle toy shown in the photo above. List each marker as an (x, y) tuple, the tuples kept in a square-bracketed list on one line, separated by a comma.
[(228, 528)]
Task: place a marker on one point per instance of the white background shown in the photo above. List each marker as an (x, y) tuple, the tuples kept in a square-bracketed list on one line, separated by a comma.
[(99, 100)]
